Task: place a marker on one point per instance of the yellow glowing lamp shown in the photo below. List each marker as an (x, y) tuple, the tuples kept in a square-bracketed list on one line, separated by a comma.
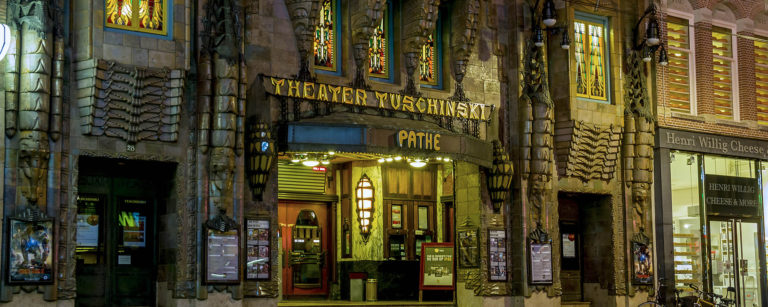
[(364, 199)]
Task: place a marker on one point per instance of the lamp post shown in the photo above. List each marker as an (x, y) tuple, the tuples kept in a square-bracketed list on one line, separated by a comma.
[(500, 177), (549, 18), (261, 153), (652, 41)]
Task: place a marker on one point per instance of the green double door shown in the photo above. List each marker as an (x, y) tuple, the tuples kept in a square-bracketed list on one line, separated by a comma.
[(116, 241)]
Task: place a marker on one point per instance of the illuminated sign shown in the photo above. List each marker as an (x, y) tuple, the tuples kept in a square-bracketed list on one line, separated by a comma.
[(374, 99), (321, 169), (418, 140)]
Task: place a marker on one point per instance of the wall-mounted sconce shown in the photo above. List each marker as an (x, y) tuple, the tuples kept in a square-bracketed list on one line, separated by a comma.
[(500, 177), (261, 153), (548, 17), (652, 41), (364, 199)]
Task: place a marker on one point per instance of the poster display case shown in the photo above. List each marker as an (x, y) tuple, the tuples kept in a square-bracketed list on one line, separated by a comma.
[(257, 264)]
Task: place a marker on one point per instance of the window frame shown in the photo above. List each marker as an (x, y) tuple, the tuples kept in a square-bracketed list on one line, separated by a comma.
[(588, 18), (735, 105), (135, 30), (694, 106), (438, 84), (763, 36), (389, 77), (337, 56)]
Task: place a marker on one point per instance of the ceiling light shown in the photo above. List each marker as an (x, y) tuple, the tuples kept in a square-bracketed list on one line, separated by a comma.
[(398, 158), (389, 159), (310, 163), (418, 163)]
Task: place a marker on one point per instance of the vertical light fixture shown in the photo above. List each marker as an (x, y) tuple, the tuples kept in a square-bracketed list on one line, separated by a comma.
[(261, 153), (500, 177), (364, 199)]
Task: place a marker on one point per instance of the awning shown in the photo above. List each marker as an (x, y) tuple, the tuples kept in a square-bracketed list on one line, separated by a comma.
[(351, 132)]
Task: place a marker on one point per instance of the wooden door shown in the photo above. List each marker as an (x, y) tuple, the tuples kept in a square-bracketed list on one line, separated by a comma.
[(287, 213)]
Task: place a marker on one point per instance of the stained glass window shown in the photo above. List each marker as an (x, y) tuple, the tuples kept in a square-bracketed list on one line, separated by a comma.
[(761, 80), (378, 53), (325, 37), (147, 16), (678, 70), (427, 61), (722, 82), (591, 61)]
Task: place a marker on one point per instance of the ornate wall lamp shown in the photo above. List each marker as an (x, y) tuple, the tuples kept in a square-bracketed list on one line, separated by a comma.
[(364, 199), (549, 18), (500, 176), (261, 154), (652, 41)]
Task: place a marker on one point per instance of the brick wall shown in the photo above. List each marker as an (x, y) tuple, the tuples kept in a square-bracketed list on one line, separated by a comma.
[(746, 82), (702, 34)]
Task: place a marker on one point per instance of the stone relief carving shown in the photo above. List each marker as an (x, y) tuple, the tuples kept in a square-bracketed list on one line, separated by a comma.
[(33, 90), (591, 153), (303, 15), (128, 102), (419, 21), (221, 92), (639, 124), (366, 15), (464, 20), (537, 120)]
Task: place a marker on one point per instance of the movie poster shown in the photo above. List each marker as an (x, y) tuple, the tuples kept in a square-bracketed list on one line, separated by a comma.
[(30, 258), (257, 249), (642, 264), (497, 254)]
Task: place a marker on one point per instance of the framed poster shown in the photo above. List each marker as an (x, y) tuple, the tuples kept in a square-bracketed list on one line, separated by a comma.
[(469, 251), (257, 264), (222, 258), (89, 208), (30, 259), (540, 263), (397, 216), (423, 217), (436, 266), (497, 255), (642, 264)]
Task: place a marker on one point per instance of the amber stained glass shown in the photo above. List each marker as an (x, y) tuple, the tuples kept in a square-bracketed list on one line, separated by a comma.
[(377, 50), (722, 83), (761, 80), (325, 40), (581, 63), (151, 14), (119, 12), (678, 69), (427, 73), (591, 77)]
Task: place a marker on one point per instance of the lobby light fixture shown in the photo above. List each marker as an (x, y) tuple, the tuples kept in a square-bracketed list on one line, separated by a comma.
[(310, 163), (364, 199), (418, 163)]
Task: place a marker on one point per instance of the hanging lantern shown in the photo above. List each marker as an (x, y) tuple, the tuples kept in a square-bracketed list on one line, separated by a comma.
[(500, 177), (364, 199), (261, 153)]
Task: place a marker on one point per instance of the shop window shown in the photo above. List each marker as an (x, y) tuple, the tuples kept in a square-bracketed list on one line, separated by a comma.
[(591, 55), (732, 167), (679, 71), (686, 227), (430, 60), (327, 34), (144, 16), (380, 49), (761, 80), (722, 85)]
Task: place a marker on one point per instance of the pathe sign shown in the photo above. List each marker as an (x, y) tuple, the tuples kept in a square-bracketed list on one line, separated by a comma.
[(375, 99), (728, 195), (418, 140)]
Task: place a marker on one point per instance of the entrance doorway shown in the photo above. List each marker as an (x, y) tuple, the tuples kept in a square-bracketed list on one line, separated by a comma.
[(118, 205), (735, 259), (305, 232)]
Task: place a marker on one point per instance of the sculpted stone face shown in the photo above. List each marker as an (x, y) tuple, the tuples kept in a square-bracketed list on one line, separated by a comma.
[(33, 168)]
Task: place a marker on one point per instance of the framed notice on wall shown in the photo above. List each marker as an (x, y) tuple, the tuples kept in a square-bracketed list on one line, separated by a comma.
[(540, 263), (468, 248), (257, 264), (436, 266), (89, 208), (30, 254), (497, 255), (222, 257)]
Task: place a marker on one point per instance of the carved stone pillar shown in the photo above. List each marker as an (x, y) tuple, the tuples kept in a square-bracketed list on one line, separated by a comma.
[(420, 20), (366, 15), (638, 142), (222, 89), (303, 15), (464, 20)]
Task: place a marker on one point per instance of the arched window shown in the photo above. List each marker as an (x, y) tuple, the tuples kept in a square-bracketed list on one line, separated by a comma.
[(430, 59), (147, 16), (327, 33), (380, 63)]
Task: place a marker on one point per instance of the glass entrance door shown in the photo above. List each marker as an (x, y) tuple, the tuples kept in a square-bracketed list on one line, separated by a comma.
[(734, 255)]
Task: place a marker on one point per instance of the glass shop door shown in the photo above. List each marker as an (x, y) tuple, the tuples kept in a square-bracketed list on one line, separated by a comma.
[(734, 254)]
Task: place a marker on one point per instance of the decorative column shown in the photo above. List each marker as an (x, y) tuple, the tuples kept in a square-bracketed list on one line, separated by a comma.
[(420, 20), (464, 20), (303, 15), (366, 15)]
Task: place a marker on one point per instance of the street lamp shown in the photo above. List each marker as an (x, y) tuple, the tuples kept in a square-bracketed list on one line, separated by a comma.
[(500, 177), (652, 41), (364, 200), (261, 153)]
